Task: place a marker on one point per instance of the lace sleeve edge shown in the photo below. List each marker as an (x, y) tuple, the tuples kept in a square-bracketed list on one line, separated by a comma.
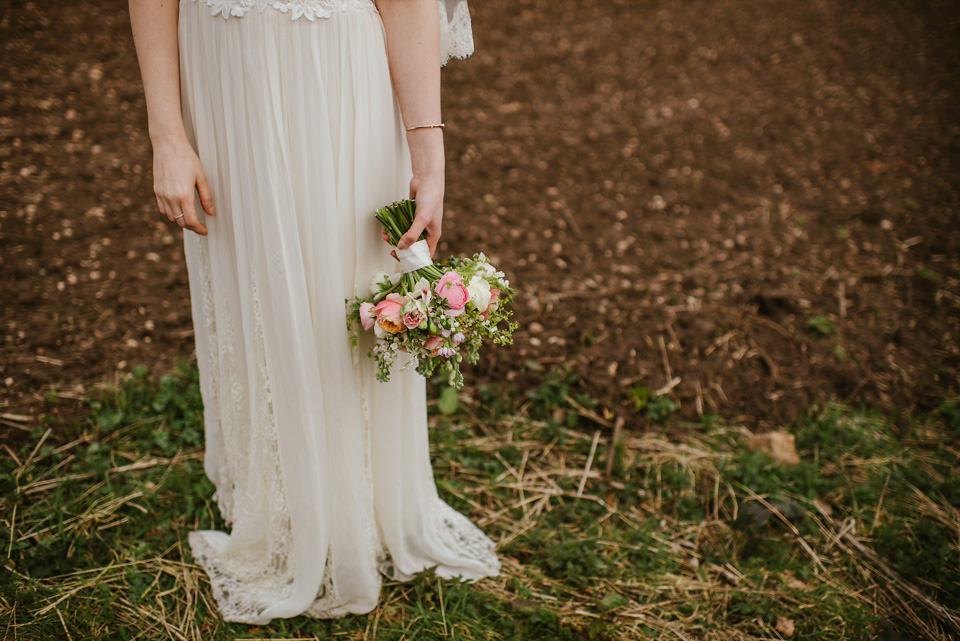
[(456, 31)]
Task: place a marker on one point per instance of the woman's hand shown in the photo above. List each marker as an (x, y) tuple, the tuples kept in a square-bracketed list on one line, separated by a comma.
[(426, 187), (176, 168), (413, 51), (176, 174)]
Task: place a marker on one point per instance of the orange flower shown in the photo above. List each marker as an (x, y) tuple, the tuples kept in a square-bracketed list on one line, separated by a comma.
[(390, 324)]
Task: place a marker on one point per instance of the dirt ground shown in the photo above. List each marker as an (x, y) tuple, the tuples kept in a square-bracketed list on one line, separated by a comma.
[(750, 205)]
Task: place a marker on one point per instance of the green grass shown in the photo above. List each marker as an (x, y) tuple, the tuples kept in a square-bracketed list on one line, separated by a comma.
[(694, 537)]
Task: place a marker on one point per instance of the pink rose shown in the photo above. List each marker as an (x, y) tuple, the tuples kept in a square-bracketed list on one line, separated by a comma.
[(388, 313), (433, 344), (450, 287), (367, 317)]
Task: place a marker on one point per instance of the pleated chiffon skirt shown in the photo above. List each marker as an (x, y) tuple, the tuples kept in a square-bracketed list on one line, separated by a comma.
[(322, 473)]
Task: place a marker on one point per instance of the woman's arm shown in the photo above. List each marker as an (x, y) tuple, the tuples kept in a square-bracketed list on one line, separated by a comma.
[(413, 49), (176, 167)]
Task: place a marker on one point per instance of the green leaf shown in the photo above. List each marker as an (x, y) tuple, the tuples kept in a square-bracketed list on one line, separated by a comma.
[(611, 601), (820, 326), (449, 401), (109, 419)]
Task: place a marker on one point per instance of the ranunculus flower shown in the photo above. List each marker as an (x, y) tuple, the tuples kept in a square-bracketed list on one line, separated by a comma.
[(433, 344), (414, 313), (450, 288), (494, 295), (367, 317), (389, 311), (479, 290), (494, 298)]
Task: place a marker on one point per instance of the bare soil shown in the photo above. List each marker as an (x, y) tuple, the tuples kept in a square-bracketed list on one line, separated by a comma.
[(750, 206)]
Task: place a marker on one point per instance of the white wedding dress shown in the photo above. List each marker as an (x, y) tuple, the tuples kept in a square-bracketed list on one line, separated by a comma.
[(322, 473)]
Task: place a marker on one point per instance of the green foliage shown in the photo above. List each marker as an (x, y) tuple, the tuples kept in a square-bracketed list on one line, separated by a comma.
[(820, 326), (949, 411), (448, 401), (657, 408), (693, 511), (553, 391), (558, 400)]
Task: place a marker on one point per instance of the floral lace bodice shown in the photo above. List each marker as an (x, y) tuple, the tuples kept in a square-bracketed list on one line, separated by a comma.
[(309, 9), (456, 34)]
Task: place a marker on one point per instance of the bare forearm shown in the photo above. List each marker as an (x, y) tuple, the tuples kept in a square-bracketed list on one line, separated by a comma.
[(177, 173), (154, 24), (413, 48)]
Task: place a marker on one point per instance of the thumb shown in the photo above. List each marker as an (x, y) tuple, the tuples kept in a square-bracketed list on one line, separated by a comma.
[(412, 234)]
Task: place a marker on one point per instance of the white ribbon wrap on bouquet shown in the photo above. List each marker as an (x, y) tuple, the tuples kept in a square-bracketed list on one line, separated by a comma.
[(415, 256)]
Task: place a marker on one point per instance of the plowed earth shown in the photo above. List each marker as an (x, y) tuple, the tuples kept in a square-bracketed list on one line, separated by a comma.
[(747, 205)]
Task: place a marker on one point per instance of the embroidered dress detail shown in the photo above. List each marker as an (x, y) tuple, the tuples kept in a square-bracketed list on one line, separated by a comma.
[(456, 32), (309, 9)]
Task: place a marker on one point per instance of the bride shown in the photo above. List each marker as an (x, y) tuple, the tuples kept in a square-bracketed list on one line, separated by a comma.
[(278, 127)]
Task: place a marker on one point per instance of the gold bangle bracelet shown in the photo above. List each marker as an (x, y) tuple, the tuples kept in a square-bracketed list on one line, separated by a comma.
[(440, 125)]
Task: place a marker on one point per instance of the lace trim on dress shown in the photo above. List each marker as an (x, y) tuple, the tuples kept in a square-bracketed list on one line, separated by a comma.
[(460, 536), (309, 9), (220, 472), (255, 560), (456, 31), (456, 34)]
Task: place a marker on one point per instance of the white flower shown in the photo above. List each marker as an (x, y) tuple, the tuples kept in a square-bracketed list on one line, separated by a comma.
[(488, 268), (378, 281), (378, 278), (421, 291), (479, 291)]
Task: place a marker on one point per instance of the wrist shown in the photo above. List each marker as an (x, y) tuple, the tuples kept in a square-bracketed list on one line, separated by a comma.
[(425, 135), (168, 137), (426, 151)]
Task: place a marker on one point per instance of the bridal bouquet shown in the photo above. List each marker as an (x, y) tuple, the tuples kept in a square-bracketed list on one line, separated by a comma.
[(438, 313)]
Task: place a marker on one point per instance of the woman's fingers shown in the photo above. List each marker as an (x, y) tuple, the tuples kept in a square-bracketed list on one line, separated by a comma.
[(173, 212), (409, 238), (426, 219), (432, 230), (206, 197), (190, 220), (433, 239), (178, 179), (164, 209)]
